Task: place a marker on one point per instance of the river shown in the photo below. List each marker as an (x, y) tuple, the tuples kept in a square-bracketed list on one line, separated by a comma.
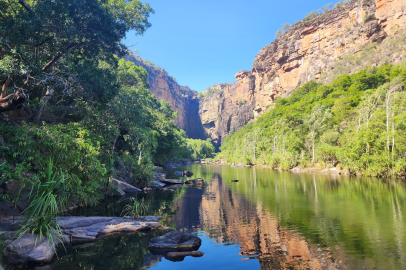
[(267, 220)]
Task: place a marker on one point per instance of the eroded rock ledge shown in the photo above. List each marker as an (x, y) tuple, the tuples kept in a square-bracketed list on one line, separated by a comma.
[(32, 248)]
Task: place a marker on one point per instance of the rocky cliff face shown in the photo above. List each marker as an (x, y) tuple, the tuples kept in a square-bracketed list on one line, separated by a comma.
[(181, 98), (372, 31)]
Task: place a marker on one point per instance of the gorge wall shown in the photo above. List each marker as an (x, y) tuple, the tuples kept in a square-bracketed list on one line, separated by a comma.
[(181, 98), (344, 40), (372, 31)]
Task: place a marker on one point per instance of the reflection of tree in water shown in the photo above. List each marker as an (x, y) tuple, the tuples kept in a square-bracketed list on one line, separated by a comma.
[(229, 218), (123, 252)]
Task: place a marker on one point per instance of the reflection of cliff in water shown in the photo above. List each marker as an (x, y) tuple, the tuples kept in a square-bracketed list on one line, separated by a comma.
[(229, 218)]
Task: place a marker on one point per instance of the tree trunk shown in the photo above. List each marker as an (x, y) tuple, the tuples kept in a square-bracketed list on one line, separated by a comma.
[(313, 149), (4, 89), (12, 103), (393, 139), (44, 102), (274, 145)]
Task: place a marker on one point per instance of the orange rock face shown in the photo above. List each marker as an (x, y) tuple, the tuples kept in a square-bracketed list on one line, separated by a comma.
[(308, 51), (182, 99)]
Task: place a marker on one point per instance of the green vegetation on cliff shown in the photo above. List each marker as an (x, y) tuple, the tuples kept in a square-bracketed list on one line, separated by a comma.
[(357, 122)]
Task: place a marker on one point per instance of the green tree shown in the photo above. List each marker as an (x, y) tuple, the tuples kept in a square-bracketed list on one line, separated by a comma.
[(51, 49)]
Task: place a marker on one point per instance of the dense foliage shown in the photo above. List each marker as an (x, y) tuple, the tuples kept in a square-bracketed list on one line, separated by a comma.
[(199, 149), (67, 96), (357, 122)]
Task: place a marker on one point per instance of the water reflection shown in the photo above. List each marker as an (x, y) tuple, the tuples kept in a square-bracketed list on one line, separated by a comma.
[(358, 222), (272, 220), (229, 218)]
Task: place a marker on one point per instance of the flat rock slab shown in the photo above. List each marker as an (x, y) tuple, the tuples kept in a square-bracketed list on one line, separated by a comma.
[(85, 229), (127, 188), (31, 248), (175, 241), (195, 182), (172, 181)]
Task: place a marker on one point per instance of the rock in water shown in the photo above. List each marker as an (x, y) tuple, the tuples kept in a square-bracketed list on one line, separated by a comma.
[(30, 248), (184, 173), (180, 256), (127, 188), (175, 241), (157, 184), (172, 181), (195, 182)]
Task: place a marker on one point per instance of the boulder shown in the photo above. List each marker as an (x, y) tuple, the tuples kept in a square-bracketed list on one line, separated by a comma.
[(19, 191), (7, 208), (31, 248), (157, 184), (127, 188), (195, 182), (175, 241), (172, 181), (159, 176)]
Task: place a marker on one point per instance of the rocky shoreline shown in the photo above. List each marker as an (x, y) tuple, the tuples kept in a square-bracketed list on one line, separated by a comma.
[(76, 230), (36, 249), (314, 169)]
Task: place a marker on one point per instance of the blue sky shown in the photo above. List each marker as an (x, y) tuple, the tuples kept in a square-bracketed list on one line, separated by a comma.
[(204, 42)]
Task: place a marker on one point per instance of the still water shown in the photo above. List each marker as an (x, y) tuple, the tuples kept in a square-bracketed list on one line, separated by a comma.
[(267, 220)]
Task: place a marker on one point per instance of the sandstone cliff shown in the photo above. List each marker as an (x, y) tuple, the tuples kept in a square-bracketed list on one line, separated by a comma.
[(343, 40), (181, 98)]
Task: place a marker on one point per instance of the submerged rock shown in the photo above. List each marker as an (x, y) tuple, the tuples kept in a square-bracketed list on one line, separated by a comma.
[(195, 182), (175, 241)]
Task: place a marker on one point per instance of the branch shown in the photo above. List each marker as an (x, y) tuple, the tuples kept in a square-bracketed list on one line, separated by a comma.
[(56, 57), (12, 104), (25, 5), (4, 100)]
